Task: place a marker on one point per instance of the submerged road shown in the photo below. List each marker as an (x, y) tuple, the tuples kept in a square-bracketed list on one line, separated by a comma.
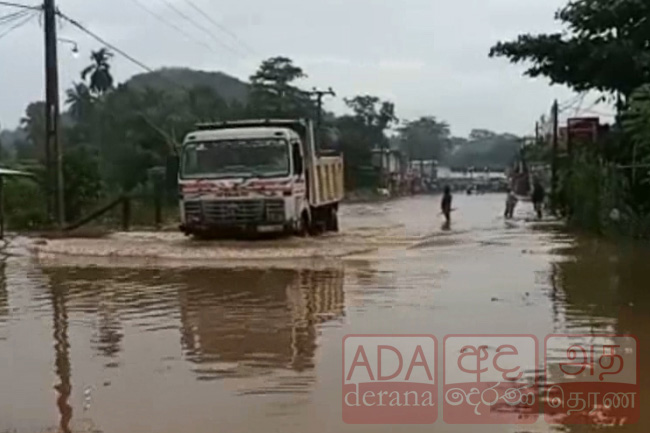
[(119, 348)]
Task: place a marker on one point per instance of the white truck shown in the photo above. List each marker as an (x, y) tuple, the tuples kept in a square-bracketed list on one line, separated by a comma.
[(262, 176)]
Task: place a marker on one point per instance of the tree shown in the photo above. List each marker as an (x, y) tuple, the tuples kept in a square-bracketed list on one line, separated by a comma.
[(83, 185), (425, 139), (99, 71), (359, 133), (603, 48), (79, 100), (33, 123), (372, 112), (273, 92), (485, 149), (205, 104), (481, 134)]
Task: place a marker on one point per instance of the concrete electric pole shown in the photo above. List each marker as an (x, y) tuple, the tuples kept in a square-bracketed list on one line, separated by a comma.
[(320, 94), (52, 142), (554, 162)]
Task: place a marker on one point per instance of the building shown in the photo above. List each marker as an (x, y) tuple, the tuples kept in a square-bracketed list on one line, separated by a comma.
[(392, 166)]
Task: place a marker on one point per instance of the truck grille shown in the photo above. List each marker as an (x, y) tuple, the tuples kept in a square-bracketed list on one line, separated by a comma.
[(235, 212)]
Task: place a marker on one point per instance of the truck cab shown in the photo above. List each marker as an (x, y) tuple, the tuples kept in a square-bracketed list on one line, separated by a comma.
[(260, 176)]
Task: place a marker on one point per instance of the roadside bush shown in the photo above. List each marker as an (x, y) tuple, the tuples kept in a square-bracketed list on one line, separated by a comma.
[(25, 204)]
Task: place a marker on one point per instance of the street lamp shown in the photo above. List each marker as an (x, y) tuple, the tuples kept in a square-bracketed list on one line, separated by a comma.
[(75, 47)]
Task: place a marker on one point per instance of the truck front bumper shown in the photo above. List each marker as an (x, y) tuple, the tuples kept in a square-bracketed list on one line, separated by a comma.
[(226, 229)]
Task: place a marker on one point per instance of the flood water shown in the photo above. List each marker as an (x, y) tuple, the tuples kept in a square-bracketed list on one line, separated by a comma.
[(200, 349)]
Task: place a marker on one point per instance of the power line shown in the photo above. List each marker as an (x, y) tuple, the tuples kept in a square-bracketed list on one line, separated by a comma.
[(218, 25), (12, 17), (19, 5), (582, 100), (568, 104), (18, 25), (116, 49), (590, 109), (172, 25), (199, 26), (103, 41)]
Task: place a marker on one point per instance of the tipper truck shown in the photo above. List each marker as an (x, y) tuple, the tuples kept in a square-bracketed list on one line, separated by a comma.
[(262, 176)]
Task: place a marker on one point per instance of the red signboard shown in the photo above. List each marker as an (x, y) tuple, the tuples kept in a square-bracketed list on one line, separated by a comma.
[(583, 128)]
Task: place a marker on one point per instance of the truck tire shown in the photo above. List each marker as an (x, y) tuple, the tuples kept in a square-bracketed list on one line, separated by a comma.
[(317, 223), (332, 220), (203, 236), (302, 228)]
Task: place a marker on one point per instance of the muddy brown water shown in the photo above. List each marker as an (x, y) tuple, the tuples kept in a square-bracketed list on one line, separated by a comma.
[(134, 347)]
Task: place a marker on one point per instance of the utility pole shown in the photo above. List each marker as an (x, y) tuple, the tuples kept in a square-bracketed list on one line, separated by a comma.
[(554, 119), (320, 94), (52, 141)]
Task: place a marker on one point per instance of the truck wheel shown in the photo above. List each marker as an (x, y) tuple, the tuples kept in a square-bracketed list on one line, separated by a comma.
[(316, 224), (333, 220), (203, 236), (302, 228)]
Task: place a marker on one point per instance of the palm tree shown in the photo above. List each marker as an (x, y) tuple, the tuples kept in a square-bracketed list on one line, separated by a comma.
[(99, 71), (33, 123), (80, 100)]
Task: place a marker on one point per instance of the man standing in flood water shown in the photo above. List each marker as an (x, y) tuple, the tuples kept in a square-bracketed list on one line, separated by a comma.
[(538, 197), (446, 205), (511, 203)]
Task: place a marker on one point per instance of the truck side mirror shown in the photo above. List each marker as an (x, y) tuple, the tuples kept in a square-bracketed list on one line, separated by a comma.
[(297, 159)]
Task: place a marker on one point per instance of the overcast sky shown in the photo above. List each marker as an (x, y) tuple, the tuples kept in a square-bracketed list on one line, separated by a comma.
[(430, 57)]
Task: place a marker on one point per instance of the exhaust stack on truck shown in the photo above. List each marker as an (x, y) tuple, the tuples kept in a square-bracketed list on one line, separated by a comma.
[(258, 176)]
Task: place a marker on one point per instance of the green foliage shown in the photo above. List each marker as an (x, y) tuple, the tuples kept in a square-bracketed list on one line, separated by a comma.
[(232, 90), (83, 183), (425, 139), (33, 124), (636, 123), (371, 112), (273, 93), (485, 149), (80, 101), (24, 204), (99, 72), (603, 47), (359, 133), (112, 135)]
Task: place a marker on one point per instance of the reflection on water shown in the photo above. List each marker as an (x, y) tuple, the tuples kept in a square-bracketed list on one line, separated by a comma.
[(256, 318), (62, 358), (188, 349), (602, 288), (233, 323)]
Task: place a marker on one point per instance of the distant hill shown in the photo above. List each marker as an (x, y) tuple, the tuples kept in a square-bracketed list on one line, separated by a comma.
[(230, 88)]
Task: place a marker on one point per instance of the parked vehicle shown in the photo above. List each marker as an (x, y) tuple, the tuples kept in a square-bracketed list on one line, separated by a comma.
[(258, 176)]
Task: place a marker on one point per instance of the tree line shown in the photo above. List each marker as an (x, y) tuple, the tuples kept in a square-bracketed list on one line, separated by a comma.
[(114, 134)]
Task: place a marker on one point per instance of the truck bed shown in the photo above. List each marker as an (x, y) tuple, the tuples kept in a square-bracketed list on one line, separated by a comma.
[(328, 187)]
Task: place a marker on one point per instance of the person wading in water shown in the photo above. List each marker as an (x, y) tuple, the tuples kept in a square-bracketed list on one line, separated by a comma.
[(445, 205), (538, 197), (511, 203)]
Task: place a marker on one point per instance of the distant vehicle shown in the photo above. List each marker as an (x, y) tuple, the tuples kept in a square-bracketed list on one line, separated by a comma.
[(263, 176)]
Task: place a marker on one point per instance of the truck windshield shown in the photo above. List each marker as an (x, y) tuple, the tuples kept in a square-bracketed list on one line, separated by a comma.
[(236, 158)]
